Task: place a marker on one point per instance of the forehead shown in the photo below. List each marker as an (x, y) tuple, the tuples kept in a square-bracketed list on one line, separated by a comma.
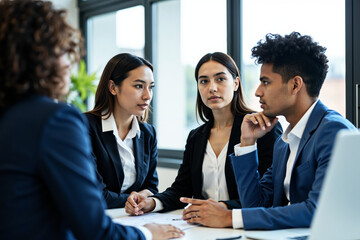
[(212, 67), (141, 73), (266, 71)]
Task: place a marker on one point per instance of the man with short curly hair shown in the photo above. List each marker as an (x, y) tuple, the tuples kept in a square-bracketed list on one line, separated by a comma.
[(293, 70)]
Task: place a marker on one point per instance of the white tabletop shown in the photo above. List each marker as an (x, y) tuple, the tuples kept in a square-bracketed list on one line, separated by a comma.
[(206, 233)]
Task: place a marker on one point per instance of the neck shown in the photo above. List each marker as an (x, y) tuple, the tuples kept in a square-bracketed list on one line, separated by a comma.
[(123, 123), (298, 110), (223, 118)]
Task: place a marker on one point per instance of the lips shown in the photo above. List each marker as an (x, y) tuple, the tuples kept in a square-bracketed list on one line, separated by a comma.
[(213, 98), (262, 104), (143, 106)]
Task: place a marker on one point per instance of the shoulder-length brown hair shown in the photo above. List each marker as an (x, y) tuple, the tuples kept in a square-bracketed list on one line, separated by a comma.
[(238, 105), (117, 69), (33, 37)]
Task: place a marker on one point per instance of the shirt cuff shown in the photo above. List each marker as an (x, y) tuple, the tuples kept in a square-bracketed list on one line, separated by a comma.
[(239, 151), (158, 205), (145, 231), (237, 220)]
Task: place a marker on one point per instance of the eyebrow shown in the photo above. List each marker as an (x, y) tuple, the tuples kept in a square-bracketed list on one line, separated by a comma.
[(216, 74), (264, 78), (142, 81)]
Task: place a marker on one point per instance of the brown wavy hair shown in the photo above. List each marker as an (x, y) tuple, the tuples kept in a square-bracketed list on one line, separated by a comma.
[(117, 69), (238, 105), (33, 35)]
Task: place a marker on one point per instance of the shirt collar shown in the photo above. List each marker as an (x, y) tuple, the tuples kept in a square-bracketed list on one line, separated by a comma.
[(298, 130), (109, 124)]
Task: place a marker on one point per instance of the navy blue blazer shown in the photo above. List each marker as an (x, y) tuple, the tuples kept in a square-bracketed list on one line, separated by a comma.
[(48, 183), (263, 200), (189, 182), (109, 169)]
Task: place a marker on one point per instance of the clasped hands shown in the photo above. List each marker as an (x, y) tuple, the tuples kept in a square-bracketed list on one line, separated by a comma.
[(205, 212)]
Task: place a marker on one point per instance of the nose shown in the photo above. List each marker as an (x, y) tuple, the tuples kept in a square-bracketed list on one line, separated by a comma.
[(212, 87), (147, 94), (259, 92)]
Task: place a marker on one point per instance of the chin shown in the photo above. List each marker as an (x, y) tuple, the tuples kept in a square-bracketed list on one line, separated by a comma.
[(270, 114)]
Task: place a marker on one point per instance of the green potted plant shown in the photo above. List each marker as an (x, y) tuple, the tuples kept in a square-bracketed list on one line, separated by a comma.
[(82, 85)]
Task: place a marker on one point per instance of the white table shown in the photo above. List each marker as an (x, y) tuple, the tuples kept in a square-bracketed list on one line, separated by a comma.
[(206, 233)]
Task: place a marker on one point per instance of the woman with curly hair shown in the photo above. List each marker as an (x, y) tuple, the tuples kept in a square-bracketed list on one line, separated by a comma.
[(48, 183)]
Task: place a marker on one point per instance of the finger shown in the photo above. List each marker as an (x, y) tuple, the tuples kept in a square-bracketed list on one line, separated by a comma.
[(266, 119), (132, 200), (192, 200), (174, 235), (191, 209), (129, 210), (194, 220), (261, 122)]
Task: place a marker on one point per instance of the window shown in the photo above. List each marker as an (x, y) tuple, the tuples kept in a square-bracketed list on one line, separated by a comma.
[(184, 31), (113, 33), (323, 20)]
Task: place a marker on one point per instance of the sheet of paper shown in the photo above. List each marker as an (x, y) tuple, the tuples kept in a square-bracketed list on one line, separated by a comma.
[(172, 219)]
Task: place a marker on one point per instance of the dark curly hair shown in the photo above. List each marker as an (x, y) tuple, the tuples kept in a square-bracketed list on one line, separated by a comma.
[(294, 55), (33, 36), (238, 105)]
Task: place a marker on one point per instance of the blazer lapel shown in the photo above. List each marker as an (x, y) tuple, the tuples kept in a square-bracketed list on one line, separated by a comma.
[(282, 152), (312, 124), (111, 146), (199, 149), (139, 158)]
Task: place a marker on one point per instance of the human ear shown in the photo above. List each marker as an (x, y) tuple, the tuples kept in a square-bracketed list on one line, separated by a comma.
[(112, 87), (296, 83), (237, 83)]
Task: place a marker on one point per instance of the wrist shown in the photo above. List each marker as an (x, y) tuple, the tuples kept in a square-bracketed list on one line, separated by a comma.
[(228, 219), (146, 193), (244, 142)]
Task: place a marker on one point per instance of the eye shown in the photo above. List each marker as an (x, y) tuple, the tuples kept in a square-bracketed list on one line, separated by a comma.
[(139, 86), (203, 81), (265, 82), (220, 79), (151, 87)]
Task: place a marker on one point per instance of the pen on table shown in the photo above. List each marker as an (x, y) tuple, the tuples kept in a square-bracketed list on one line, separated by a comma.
[(230, 238)]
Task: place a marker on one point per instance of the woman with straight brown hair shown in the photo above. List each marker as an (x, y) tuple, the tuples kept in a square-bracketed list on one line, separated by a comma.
[(124, 145), (206, 171)]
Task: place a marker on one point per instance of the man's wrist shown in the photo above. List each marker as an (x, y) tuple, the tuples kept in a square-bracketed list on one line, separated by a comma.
[(247, 142)]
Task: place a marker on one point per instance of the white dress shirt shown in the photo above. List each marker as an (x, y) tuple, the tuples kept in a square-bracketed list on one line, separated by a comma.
[(125, 148), (292, 136), (213, 172)]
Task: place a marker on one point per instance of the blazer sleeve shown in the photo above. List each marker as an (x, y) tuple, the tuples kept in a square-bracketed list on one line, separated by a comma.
[(113, 199), (266, 147), (67, 171), (265, 156), (182, 186), (151, 181), (257, 195)]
